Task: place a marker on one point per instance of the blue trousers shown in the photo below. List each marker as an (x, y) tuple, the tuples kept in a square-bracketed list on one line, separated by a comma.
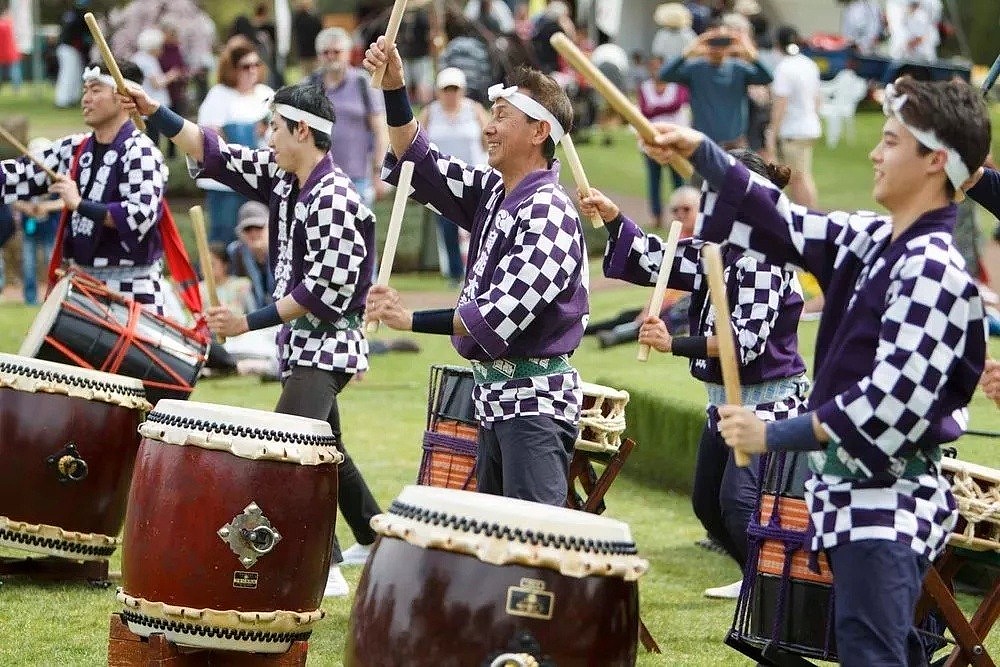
[(526, 458), (448, 238), (654, 180), (877, 585)]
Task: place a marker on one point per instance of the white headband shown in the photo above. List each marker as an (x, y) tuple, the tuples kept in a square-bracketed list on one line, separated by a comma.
[(529, 106), (94, 74), (955, 168), (312, 120)]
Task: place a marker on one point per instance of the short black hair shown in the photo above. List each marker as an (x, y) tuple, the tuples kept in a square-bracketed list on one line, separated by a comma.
[(308, 97), (955, 111), (129, 69), (544, 90), (778, 174)]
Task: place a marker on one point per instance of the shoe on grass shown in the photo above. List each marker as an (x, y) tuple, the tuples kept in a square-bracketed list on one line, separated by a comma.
[(356, 555), (336, 585), (728, 592)]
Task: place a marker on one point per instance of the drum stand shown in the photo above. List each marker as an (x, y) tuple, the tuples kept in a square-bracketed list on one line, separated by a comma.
[(127, 649), (969, 634), (769, 654), (50, 568), (594, 487)]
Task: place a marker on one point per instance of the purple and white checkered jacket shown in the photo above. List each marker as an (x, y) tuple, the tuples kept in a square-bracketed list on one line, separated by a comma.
[(900, 348), (322, 241), (525, 291)]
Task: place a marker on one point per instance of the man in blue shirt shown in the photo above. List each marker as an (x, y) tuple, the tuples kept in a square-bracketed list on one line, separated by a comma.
[(717, 68)]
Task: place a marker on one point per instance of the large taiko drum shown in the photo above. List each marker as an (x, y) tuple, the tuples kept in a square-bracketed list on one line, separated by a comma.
[(84, 324), (229, 529), (460, 578), (67, 441)]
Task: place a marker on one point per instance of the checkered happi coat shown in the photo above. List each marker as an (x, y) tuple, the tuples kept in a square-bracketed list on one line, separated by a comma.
[(525, 291), (322, 241), (900, 348), (766, 303)]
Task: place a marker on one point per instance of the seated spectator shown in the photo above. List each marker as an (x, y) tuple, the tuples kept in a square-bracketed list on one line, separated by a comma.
[(248, 253)]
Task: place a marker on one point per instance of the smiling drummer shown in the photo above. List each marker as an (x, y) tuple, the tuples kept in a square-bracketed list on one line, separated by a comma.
[(523, 305)]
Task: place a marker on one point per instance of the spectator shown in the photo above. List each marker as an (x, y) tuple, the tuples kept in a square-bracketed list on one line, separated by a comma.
[(660, 101), (913, 31), (360, 135), (701, 16), (172, 60), (718, 82), (493, 15), (72, 52), (750, 9), (39, 219), (795, 125), (306, 25), (638, 72), (10, 57), (455, 124), (675, 33), (248, 254), (467, 52), (554, 19), (523, 25), (235, 106), (862, 24), (154, 80), (413, 42)]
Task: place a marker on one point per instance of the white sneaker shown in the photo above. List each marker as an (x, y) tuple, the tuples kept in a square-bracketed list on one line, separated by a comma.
[(728, 592), (336, 585), (356, 554)]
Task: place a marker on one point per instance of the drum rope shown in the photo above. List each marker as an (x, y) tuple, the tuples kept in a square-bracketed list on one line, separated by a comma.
[(125, 340), (976, 504)]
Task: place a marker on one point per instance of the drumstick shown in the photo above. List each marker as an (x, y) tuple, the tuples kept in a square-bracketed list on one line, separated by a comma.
[(724, 334), (205, 258), (395, 223), (12, 140), (109, 60), (579, 176), (395, 18), (656, 303), (615, 97)]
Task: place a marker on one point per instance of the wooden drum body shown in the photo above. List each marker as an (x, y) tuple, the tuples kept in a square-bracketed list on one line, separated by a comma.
[(68, 442), (458, 578), (230, 524)]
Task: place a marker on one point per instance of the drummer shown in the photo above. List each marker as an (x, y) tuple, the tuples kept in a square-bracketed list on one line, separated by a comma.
[(321, 252), (766, 302), (900, 348), (111, 183), (523, 307)]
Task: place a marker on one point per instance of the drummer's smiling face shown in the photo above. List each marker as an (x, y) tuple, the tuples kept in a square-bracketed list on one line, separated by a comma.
[(508, 135), (99, 104)]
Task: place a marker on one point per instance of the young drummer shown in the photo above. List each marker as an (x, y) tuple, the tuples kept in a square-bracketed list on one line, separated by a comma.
[(900, 348), (111, 183), (766, 303), (523, 306), (321, 252)]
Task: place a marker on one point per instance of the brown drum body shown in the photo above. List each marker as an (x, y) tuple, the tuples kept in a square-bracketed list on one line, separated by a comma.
[(35, 426), (428, 607), (181, 496)]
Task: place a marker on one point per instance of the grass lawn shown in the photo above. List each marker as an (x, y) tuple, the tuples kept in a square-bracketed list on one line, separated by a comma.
[(383, 419)]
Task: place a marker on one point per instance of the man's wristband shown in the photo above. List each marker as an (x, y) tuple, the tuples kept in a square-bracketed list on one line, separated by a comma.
[(94, 210), (440, 321), (692, 347), (397, 107), (263, 318), (614, 225), (166, 121), (792, 435)]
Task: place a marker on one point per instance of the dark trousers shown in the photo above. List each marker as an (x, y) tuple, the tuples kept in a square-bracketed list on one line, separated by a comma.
[(448, 233), (877, 584), (654, 177), (311, 392), (724, 495), (526, 458)]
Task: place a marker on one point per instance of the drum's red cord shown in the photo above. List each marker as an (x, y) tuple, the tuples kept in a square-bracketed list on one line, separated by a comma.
[(125, 340), (79, 361)]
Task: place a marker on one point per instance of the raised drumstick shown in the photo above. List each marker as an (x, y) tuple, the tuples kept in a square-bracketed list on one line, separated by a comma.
[(669, 250), (724, 333), (12, 140), (205, 258), (615, 97), (391, 30), (395, 224), (575, 166), (109, 60)]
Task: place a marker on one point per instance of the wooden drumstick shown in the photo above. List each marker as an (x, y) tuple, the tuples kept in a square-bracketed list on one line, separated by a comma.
[(391, 30), (656, 303), (724, 334), (205, 258), (12, 140), (395, 224), (575, 166), (616, 98), (109, 60)]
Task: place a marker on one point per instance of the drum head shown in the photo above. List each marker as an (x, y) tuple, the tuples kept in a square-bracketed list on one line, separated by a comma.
[(43, 322), (65, 376)]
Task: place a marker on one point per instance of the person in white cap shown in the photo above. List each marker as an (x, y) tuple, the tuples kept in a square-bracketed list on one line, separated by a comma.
[(454, 123), (523, 306)]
